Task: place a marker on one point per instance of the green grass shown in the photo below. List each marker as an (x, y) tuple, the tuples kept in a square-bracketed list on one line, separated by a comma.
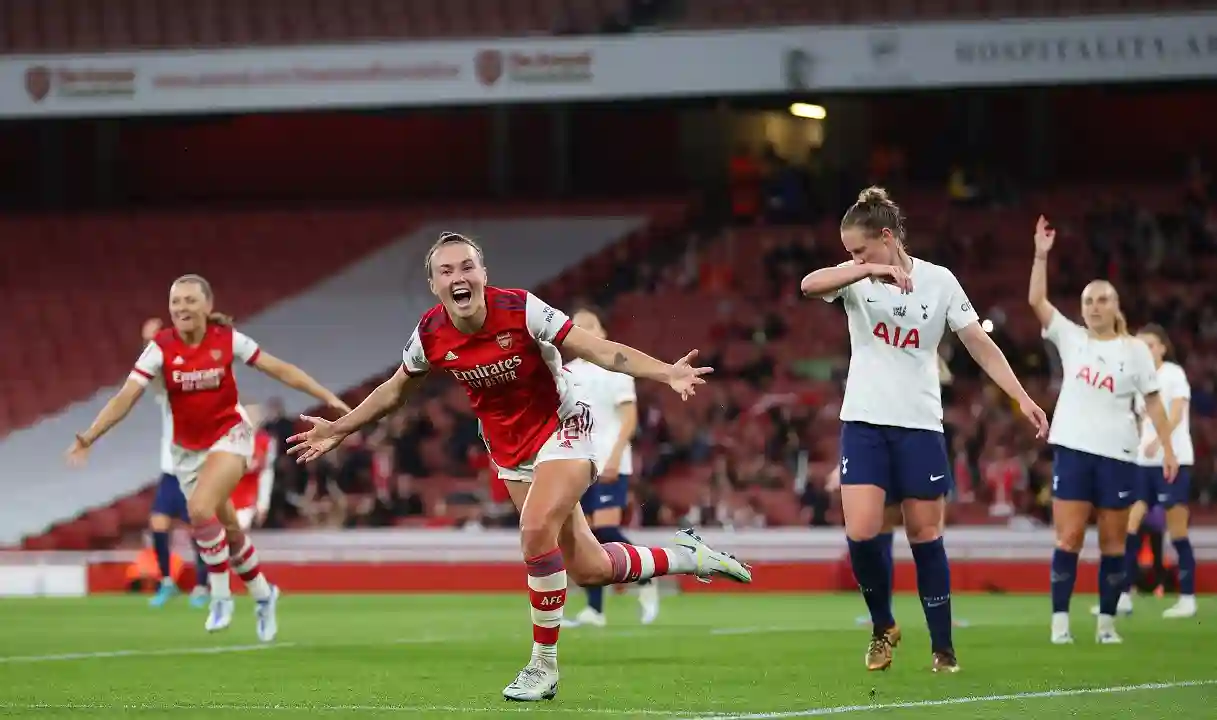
[(442, 655)]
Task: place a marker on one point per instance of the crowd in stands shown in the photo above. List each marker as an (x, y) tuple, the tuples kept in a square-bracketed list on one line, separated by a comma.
[(762, 449)]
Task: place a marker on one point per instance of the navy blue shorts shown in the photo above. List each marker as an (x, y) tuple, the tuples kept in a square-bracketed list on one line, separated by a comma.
[(1101, 481), (169, 499), (1153, 489), (604, 496), (907, 463)]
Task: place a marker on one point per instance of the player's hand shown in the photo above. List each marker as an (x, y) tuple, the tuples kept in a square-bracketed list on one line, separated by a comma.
[(1045, 236), (610, 472), (1170, 465), (77, 453), (892, 275), (684, 378), (1152, 447), (1036, 415), (151, 327), (314, 442)]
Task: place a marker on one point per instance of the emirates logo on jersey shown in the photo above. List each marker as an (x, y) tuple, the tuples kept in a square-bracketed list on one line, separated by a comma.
[(484, 376), (193, 380), (504, 340)]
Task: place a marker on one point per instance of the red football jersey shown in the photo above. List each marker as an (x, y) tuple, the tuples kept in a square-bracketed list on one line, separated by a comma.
[(511, 369), (256, 484), (199, 381)]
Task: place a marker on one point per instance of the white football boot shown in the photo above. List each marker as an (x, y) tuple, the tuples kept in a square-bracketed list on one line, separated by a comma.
[(537, 681), (219, 616), (711, 562), (264, 614)]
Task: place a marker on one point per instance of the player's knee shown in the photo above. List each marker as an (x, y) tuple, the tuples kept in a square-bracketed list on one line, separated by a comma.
[(1177, 522), (922, 534), (199, 510), (159, 523), (1070, 539), (538, 533)]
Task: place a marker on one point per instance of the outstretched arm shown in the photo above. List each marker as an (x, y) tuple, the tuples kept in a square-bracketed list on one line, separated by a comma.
[(113, 413), (615, 356), (296, 379), (991, 359), (387, 397), (1037, 290)]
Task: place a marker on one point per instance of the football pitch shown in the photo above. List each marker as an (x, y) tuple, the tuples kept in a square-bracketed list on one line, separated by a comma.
[(722, 656)]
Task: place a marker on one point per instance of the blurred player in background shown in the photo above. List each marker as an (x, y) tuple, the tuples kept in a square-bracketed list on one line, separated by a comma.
[(212, 438), (892, 443), (1153, 489), (169, 503), (251, 498), (615, 406), (505, 347), (1094, 436)]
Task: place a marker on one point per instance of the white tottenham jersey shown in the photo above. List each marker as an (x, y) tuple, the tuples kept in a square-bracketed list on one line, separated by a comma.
[(1100, 383), (1173, 385), (162, 401), (893, 338), (605, 391)]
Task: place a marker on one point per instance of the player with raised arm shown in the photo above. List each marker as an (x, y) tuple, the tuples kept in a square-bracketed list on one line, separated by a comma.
[(614, 404), (169, 504), (1094, 435), (892, 444), (212, 438), (503, 346)]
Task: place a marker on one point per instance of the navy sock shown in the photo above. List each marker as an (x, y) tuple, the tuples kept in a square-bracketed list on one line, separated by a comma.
[(886, 539), (1064, 575), (1111, 583), (1132, 548), (609, 535), (160, 544), (870, 570), (200, 569), (595, 598), (934, 586), (1187, 566)]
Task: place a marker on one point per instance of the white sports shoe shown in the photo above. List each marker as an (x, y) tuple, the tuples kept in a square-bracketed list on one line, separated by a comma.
[(1060, 629), (711, 562), (1185, 607), (1105, 632), (586, 616), (264, 614), (648, 599), (219, 616), (537, 681)]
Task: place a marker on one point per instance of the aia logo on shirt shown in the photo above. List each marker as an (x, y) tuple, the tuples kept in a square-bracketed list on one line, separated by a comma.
[(897, 336), (1096, 379)]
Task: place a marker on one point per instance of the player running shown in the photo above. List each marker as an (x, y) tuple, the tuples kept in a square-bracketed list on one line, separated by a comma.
[(892, 444), (615, 406), (251, 498), (503, 346), (1153, 489), (1094, 435), (212, 438), (169, 504)]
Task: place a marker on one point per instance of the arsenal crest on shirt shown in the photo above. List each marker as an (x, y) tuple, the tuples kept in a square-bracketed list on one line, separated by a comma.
[(504, 339), (216, 355)]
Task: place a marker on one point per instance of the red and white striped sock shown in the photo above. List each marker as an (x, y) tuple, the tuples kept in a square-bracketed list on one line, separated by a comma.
[(632, 563), (547, 593), (213, 547), (245, 565)]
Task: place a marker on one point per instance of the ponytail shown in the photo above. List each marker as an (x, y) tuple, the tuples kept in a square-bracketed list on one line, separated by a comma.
[(217, 318), (1121, 323)]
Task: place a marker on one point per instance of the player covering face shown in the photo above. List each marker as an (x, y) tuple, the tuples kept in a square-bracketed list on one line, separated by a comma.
[(503, 347)]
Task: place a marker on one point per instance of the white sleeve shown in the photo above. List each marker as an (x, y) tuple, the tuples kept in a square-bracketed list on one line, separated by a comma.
[(244, 348), (623, 389), (545, 323), (960, 312), (1145, 375), (841, 292), (149, 364), (1180, 388), (266, 479), (413, 357), (1062, 329)]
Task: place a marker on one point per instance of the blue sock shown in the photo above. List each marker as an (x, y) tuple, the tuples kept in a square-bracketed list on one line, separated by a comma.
[(886, 539), (1111, 583), (934, 586), (1064, 575), (1187, 566), (160, 544), (1132, 548), (595, 598), (870, 570), (200, 569)]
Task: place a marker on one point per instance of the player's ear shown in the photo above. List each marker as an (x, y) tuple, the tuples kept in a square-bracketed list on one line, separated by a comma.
[(431, 286)]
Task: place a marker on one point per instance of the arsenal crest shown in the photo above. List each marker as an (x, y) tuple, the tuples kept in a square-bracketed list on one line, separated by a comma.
[(504, 340), (488, 66), (38, 82), (216, 355)]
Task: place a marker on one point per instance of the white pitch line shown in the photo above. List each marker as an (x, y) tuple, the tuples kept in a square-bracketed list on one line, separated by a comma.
[(215, 650), (504, 708), (968, 700)]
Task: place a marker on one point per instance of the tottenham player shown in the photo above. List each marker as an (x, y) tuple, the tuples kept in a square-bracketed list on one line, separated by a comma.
[(1094, 435), (169, 504), (615, 406), (892, 445), (504, 347), (1153, 489), (212, 437)]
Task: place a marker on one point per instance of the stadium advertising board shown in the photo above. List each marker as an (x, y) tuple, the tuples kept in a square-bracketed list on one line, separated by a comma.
[(1112, 49)]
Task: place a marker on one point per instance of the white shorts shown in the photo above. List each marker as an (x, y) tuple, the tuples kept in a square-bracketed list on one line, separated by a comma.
[(245, 517), (187, 463), (572, 441)]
